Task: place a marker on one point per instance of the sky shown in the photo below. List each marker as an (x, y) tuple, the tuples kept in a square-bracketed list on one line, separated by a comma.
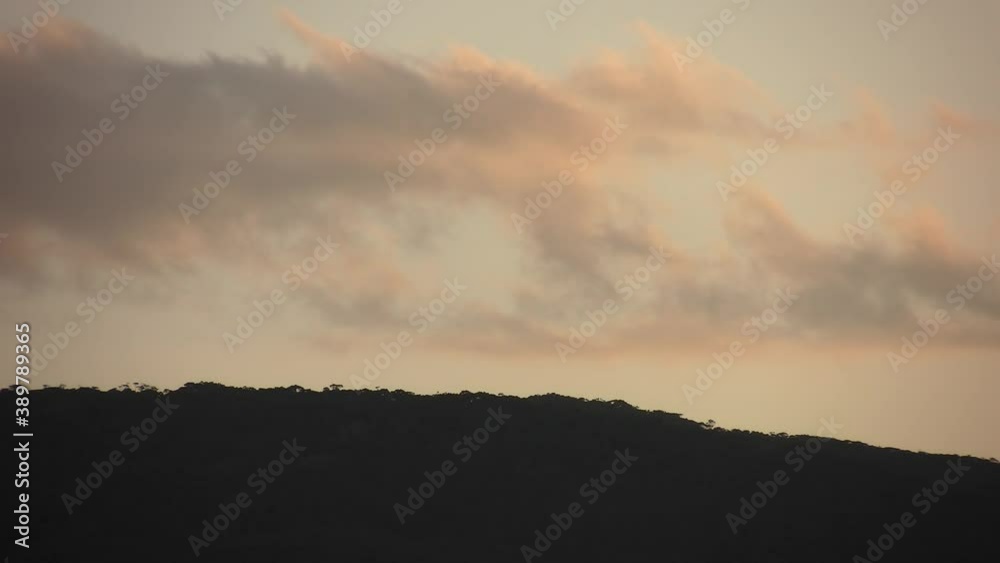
[(765, 214)]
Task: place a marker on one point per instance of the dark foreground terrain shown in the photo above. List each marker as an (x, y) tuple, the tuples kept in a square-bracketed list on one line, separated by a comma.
[(307, 477)]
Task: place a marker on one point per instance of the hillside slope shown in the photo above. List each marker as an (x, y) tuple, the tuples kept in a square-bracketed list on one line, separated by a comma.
[(342, 465)]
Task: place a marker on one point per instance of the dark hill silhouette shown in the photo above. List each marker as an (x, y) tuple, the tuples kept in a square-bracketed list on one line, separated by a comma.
[(364, 450)]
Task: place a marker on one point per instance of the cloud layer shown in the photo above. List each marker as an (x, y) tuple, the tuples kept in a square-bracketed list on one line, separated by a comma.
[(325, 174)]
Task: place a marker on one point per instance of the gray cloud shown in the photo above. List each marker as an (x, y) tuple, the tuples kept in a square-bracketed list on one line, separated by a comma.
[(325, 174)]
